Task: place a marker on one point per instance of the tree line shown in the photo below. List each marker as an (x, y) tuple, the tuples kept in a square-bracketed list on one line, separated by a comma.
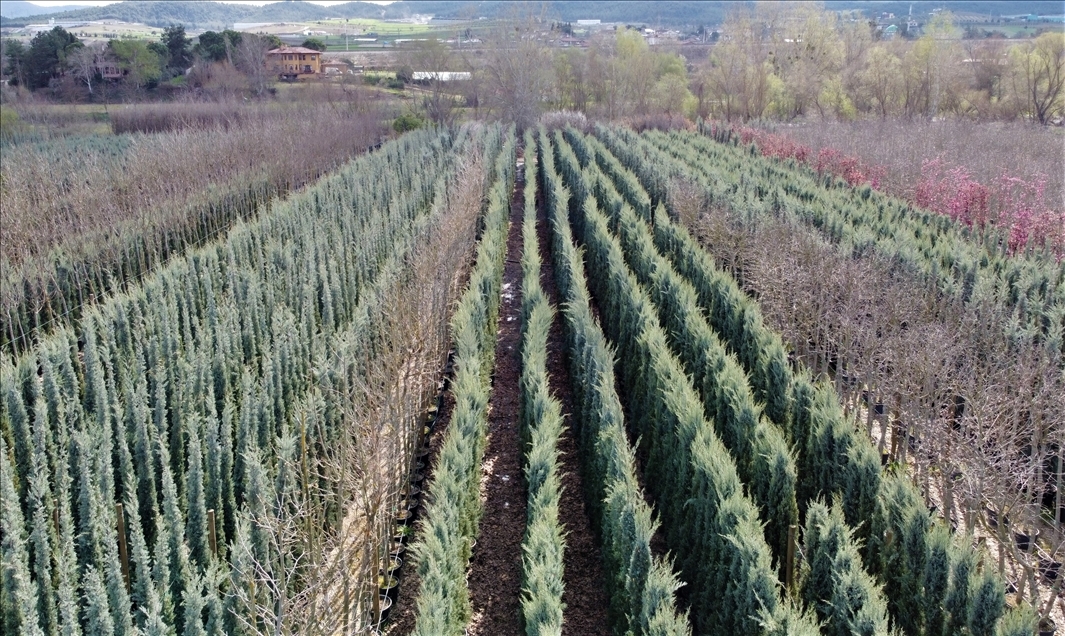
[(58, 60), (769, 61)]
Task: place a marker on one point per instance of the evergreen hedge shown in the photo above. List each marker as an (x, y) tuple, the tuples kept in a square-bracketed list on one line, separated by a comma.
[(640, 586), (443, 549)]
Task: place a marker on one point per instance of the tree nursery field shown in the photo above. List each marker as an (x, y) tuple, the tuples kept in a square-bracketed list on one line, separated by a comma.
[(537, 328), (575, 380)]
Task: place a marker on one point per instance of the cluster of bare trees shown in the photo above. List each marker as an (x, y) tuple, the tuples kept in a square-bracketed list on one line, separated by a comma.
[(978, 420), (775, 61), (788, 60)]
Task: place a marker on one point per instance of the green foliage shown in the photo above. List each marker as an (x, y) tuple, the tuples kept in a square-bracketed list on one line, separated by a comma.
[(710, 524), (987, 606), (314, 43), (183, 393), (143, 65), (640, 587), (18, 614), (407, 122), (832, 457), (178, 54), (46, 56), (936, 579), (1018, 621), (444, 547), (541, 425), (844, 595), (215, 46)]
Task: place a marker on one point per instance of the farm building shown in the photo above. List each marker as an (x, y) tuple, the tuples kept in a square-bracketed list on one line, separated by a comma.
[(289, 62), (442, 76)]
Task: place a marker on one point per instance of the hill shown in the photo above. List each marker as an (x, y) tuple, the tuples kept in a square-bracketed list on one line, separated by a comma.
[(20, 9), (216, 15)]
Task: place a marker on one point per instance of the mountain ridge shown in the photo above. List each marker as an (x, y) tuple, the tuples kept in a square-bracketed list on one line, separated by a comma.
[(217, 15)]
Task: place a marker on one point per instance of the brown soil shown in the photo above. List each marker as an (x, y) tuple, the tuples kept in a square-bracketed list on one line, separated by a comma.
[(584, 595), (495, 570)]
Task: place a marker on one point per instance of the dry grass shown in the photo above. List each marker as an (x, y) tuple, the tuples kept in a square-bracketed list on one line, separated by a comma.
[(986, 150)]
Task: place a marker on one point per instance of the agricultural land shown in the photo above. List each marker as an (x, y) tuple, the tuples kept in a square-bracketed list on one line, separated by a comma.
[(550, 319)]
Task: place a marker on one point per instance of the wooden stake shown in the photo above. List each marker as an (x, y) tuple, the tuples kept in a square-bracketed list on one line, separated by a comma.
[(55, 515), (122, 552), (212, 533), (793, 531)]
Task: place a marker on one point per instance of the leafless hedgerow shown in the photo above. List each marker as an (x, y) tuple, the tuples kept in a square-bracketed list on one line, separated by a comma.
[(978, 420), (323, 583), (982, 149)]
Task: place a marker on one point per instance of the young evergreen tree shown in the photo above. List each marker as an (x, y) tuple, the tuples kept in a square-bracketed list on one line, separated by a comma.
[(142, 588), (1018, 621), (178, 566), (987, 605), (963, 565), (18, 612), (66, 564), (98, 621), (161, 566), (42, 531), (856, 607), (105, 526), (821, 542), (936, 579), (196, 522), (213, 583), (143, 460), (194, 603), (18, 388)]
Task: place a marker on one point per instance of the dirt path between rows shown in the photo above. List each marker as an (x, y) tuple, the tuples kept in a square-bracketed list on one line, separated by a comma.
[(584, 595), (495, 570)]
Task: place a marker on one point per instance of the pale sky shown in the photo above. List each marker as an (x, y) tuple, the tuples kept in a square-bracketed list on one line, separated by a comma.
[(100, 3)]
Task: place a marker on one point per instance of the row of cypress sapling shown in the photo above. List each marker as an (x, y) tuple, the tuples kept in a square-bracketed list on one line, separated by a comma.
[(709, 521), (763, 458), (446, 537), (957, 258), (540, 421), (641, 586), (902, 546), (170, 400)]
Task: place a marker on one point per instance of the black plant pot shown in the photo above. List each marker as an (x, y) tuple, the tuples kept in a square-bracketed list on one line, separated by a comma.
[(1023, 541), (417, 478), (394, 564), (1049, 569), (386, 608), (389, 586), (397, 549), (1047, 628), (403, 517)]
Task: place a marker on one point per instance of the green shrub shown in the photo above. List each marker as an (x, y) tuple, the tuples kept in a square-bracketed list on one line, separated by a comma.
[(407, 121)]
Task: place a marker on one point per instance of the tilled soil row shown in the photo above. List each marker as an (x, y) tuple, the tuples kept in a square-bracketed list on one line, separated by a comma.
[(585, 595), (495, 569)]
